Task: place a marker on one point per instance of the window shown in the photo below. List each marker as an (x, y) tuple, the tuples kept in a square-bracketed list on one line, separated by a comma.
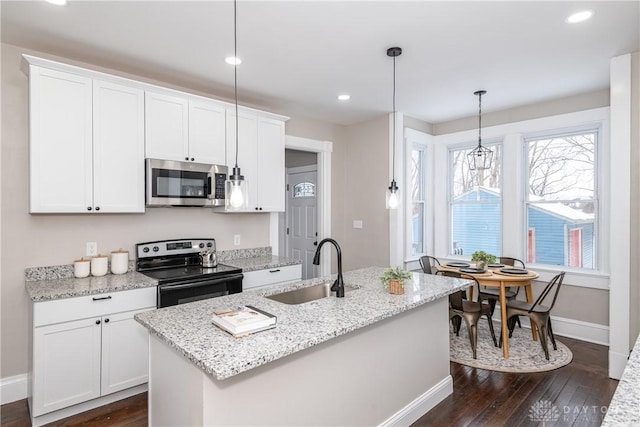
[(561, 205), (418, 200), (475, 204), (304, 189)]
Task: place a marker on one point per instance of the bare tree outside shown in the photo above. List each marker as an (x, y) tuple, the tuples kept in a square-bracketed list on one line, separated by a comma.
[(562, 168)]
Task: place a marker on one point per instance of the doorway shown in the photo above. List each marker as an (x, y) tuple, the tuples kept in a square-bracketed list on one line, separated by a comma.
[(301, 209)]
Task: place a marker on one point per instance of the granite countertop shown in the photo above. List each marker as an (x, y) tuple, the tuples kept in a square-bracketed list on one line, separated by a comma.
[(58, 282), (260, 262), (624, 409), (52, 289), (188, 328)]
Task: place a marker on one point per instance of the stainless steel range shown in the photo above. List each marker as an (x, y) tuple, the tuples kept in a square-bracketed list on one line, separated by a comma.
[(177, 266)]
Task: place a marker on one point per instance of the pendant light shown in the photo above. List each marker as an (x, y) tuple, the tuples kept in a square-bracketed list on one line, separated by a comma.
[(480, 157), (393, 197), (236, 186)]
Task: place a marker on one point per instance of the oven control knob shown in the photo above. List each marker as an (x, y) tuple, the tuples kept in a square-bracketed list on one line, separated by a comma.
[(201, 245), (209, 244), (145, 249), (156, 249)]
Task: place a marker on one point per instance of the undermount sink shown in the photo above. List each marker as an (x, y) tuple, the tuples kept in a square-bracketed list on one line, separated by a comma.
[(310, 293)]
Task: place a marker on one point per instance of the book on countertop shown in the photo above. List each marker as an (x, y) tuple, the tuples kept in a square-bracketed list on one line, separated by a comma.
[(243, 320)]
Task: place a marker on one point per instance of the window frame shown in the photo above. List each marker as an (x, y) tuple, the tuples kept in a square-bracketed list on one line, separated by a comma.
[(597, 128), (512, 191)]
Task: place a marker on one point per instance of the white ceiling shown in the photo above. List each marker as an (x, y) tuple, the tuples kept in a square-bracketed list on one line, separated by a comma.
[(299, 55)]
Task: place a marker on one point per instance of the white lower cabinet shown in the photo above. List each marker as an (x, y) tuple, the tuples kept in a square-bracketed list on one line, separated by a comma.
[(271, 276), (79, 360)]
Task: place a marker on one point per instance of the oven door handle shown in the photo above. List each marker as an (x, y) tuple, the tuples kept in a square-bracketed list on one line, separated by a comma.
[(195, 284)]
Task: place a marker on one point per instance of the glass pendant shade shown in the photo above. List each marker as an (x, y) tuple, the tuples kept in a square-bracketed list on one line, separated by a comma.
[(393, 196), (237, 192)]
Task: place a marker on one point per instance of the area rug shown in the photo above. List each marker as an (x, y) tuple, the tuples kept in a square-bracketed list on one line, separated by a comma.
[(525, 355)]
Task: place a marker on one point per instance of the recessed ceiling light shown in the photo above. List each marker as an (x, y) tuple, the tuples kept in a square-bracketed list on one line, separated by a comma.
[(344, 97), (233, 60), (57, 2), (579, 16)]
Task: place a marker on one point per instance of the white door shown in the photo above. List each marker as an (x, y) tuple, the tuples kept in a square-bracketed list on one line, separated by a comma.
[(118, 148), (67, 364), (125, 352), (207, 133), (271, 165), (166, 127), (302, 214), (61, 175)]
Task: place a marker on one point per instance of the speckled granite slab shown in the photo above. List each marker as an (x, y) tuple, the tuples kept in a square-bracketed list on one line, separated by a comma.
[(261, 262), (223, 256), (47, 290), (624, 409), (188, 328)]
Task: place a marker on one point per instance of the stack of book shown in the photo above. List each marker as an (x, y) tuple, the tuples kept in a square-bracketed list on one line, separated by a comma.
[(243, 320)]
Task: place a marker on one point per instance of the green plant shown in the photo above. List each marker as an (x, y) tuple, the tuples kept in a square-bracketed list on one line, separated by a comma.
[(394, 273), (483, 256)]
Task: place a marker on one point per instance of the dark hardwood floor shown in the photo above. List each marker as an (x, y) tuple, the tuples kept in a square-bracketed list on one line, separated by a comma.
[(579, 393)]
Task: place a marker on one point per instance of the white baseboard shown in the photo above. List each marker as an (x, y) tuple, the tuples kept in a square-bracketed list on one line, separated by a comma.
[(617, 363), (420, 406), (577, 329), (13, 388)]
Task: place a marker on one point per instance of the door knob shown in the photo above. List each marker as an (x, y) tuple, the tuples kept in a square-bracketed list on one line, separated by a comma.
[(315, 243)]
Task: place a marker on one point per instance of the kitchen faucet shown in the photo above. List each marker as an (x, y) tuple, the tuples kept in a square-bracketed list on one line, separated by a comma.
[(338, 285)]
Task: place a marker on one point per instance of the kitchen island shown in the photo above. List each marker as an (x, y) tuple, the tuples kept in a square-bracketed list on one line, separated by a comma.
[(369, 358)]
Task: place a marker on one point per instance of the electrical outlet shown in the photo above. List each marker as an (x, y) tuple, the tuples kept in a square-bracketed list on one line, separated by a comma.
[(236, 239), (92, 249)]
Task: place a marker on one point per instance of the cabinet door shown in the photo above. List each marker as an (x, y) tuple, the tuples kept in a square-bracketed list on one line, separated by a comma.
[(60, 142), (271, 194), (166, 127), (247, 150), (66, 364), (207, 132), (125, 352), (118, 148)]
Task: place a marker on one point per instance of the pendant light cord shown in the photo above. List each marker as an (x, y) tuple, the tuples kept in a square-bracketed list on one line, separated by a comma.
[(479, 119), (235, 70), (393, 164)]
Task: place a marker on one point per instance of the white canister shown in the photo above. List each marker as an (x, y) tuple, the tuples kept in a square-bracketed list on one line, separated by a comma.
[(99, 265), (119, 262), (81, 267)]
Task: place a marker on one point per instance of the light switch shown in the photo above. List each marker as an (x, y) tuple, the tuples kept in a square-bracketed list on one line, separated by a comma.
[(357, 223)]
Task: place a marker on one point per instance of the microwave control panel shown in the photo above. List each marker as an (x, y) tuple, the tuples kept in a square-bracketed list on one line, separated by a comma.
[(218, 188)]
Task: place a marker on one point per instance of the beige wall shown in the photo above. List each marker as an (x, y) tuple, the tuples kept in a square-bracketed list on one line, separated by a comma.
[(553, 107), (365, 183)]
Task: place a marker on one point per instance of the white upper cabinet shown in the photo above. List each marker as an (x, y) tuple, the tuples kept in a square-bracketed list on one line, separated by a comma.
[(207, 134), (118, 148), (261, 158), (167, 127), (182, 129), (86, 144), (60, 142), (271, 169)]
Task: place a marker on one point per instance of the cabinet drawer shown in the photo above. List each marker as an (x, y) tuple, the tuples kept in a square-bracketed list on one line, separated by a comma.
[(64, 310), (253, 279)]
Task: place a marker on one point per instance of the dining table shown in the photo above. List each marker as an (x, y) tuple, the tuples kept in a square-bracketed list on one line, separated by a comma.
[(501, 277)]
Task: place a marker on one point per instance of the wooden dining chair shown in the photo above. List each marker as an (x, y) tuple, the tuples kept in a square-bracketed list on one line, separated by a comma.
[(460, 308), (539, 314), (492, 294), (428, 264)]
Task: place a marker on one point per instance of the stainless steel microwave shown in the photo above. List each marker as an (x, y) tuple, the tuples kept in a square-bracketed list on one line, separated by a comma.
[(172, 183)]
